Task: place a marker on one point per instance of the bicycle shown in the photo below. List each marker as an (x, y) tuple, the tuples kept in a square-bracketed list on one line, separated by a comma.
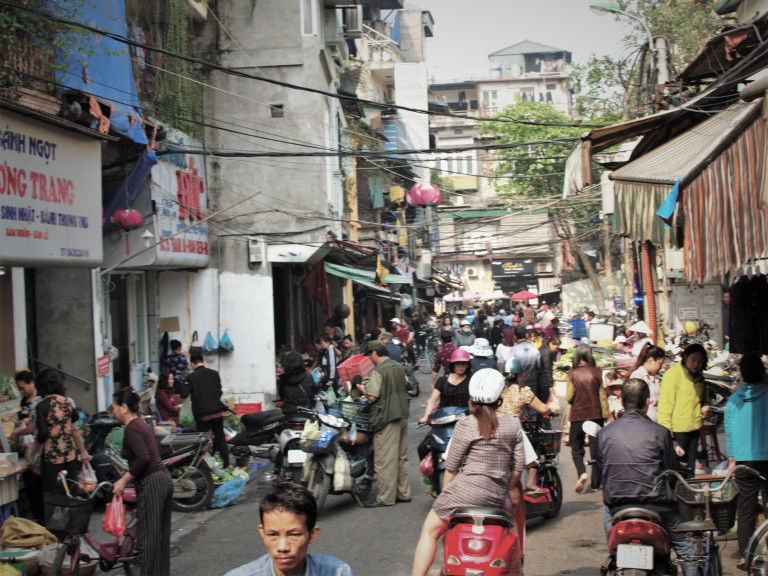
[(427, 352), (67, 517), (704, 510)]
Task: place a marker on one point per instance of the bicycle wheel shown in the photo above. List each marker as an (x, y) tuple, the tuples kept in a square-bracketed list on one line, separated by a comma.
[(714, 567), (425, 361), (757, 548), (61, 565)]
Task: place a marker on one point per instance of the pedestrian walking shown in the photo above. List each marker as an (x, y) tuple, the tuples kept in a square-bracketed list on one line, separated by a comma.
[(389, 423), (154, 486)]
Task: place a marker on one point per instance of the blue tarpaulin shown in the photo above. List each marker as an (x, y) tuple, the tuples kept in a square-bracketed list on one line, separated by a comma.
[(102, 67), (130, 187)]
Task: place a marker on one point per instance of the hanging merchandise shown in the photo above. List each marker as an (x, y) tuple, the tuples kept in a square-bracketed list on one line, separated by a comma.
[(210, 346), (225, 344)]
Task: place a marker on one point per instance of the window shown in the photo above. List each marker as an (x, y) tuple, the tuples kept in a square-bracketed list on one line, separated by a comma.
[(551, 86), (277, 110), (309, 18), (458, 131)]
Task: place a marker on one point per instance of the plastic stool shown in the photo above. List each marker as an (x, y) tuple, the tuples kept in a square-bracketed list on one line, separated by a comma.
[(8, 510), (709, 444)]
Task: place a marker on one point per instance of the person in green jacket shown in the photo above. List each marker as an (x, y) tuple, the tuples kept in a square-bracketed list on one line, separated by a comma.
[(684, 402)]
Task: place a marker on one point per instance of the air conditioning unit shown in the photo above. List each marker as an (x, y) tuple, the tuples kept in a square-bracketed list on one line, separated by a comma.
[(354, 25), (472, 272)]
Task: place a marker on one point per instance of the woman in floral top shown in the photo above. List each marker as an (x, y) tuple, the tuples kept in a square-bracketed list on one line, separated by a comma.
[(56, 432)]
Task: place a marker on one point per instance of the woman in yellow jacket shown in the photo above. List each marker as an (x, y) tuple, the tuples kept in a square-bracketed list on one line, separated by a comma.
[(684, 402)]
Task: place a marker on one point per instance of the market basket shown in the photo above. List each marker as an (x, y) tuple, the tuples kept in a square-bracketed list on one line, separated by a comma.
[(357, 365), (65, 515), (692, 505), (356, 412)]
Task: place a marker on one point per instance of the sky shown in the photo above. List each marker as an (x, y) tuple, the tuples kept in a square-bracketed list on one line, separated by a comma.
[(467, 31)]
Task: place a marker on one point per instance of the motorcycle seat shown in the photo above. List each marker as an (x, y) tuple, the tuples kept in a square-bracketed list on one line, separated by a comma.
[(295, 419), (482, 515), (258, 420), (637, 514), (695, 526)]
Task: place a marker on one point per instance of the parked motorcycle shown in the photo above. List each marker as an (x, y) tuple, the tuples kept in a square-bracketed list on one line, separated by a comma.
[(356, 446), (547, 445), (186, 456), (442, 421), (482, 541), (638, 544)]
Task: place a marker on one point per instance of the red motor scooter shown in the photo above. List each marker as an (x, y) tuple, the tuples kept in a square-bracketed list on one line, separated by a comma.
[(484, 541), (638, 544)]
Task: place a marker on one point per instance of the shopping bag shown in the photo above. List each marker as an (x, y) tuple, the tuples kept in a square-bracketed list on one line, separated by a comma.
[(225, 344), (210, 346), (114, 518), (186, 417), (87, 477), (228, 492), (553, 403), (342, 474), (426, 467)]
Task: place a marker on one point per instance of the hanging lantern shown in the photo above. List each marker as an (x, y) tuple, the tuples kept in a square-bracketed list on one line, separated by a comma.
[(128, 219), (424, 195)]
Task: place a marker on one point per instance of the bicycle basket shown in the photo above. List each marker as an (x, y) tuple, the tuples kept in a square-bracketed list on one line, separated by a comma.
[(65, 515), (549, 442), (692, 505)]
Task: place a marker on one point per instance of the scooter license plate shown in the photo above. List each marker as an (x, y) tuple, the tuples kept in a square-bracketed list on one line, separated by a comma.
[(634, 556), (296, 456)]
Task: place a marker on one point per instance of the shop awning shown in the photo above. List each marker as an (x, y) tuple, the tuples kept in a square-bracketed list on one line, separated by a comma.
[(364, 275), (642, 185)]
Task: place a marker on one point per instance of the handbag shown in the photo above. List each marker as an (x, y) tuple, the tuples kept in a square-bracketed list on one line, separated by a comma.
[(114, 518)]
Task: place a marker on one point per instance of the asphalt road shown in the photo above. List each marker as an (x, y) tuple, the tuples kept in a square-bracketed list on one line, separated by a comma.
[(382, 541)]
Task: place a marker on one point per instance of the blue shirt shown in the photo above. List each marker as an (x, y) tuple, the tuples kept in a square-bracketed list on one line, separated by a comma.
[(317, 565)]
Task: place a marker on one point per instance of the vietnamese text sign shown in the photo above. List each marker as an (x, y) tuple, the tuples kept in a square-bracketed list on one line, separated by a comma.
[(103, 364), (50, 195)]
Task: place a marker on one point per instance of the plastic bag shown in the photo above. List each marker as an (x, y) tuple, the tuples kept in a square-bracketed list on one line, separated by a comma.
[(23, 533), (225, 344), (87, 477), (210, 346), (114, 518), (553, 403), (228, 492), (317, 439), (186, 417), (426, 467), (342, 474)]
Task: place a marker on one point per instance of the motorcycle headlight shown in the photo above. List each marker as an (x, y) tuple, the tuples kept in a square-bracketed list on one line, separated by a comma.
[(444, 420)]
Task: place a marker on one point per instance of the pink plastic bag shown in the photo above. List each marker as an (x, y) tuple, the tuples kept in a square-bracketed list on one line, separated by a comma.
[(426, 467), (114, 519)]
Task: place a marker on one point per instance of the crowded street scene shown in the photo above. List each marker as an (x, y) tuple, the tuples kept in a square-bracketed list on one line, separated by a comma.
[(383, 288)]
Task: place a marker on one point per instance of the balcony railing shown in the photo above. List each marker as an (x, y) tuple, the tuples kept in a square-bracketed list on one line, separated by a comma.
[(378, 47)]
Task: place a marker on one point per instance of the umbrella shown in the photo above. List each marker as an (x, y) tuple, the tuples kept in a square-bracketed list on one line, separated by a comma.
[(524, 295), (461, 296), (495, 295)]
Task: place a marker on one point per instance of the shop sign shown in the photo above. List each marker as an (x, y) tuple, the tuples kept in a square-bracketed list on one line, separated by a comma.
[(50, 195), (103, 365), (512, 268)]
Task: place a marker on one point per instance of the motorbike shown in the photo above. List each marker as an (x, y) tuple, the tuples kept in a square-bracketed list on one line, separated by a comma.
[(638, 544), (345, 442), (483, 541), (186, 456), (547, 443), (274, 436), (411, 383), (442, 421)]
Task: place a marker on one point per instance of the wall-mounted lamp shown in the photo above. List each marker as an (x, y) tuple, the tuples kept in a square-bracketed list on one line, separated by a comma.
[(148, 238)]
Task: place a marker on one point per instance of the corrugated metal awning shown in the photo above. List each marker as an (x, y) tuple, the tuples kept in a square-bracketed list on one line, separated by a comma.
[(688, 153)]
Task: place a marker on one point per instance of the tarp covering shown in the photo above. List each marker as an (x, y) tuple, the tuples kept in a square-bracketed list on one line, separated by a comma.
[(102, 67), (366, 275), (130, 187)]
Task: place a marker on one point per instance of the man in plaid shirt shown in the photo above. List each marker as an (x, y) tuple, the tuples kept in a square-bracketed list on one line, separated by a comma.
[(443, 356)]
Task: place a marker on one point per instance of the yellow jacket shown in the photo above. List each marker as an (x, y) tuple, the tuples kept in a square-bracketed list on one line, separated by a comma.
[(682, 397)]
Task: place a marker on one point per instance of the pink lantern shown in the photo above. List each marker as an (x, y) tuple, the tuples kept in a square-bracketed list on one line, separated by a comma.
[(128, 219), (424, 195)]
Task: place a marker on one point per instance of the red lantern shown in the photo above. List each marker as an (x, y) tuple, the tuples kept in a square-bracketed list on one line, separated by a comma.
[(424, 195), (128, 219)]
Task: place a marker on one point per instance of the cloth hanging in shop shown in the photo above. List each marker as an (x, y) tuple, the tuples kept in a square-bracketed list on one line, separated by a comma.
[(375, 190), (316, 284)]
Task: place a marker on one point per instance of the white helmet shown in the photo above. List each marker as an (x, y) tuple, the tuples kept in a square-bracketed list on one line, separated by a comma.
[(486, 386), (395, 320), (465, 322)]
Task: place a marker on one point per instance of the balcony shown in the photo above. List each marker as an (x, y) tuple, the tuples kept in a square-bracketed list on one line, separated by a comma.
[(380, 52)]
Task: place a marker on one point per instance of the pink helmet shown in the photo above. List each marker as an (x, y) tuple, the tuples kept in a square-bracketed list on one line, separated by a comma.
[(460, 355)]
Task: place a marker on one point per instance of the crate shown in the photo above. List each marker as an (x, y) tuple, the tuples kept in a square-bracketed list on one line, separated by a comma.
[(357, 365), (692, 505), (65, 515), (579, 329), (356, 412), (242, 408)]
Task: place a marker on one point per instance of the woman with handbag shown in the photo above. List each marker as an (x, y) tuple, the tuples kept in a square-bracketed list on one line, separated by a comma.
[(154, 486)]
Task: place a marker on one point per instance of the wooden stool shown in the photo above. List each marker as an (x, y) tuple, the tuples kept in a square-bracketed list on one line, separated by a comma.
[(709, 444)]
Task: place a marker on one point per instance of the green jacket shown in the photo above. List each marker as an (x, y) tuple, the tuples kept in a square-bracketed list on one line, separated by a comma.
[(681, 399), (387, 384)]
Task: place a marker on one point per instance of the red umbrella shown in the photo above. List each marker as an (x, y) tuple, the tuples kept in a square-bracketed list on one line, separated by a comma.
[(524, 295)]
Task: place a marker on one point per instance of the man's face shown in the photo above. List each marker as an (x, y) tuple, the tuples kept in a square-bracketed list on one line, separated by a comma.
[(330, 330), (287, 540)]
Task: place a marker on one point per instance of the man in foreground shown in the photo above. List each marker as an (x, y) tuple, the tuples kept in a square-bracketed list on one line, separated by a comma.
[(631, 452), (288, 514)]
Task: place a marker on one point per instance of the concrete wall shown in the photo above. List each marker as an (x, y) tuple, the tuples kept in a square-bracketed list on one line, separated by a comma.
[(580, 294), (412, 36), (65, 323)]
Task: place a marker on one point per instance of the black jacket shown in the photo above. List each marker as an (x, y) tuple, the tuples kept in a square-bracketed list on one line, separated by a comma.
[(205, 389), (296, 389), (631, 452)]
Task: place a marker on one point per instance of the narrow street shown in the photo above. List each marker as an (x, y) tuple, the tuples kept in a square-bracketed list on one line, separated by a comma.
[(382, 541)]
